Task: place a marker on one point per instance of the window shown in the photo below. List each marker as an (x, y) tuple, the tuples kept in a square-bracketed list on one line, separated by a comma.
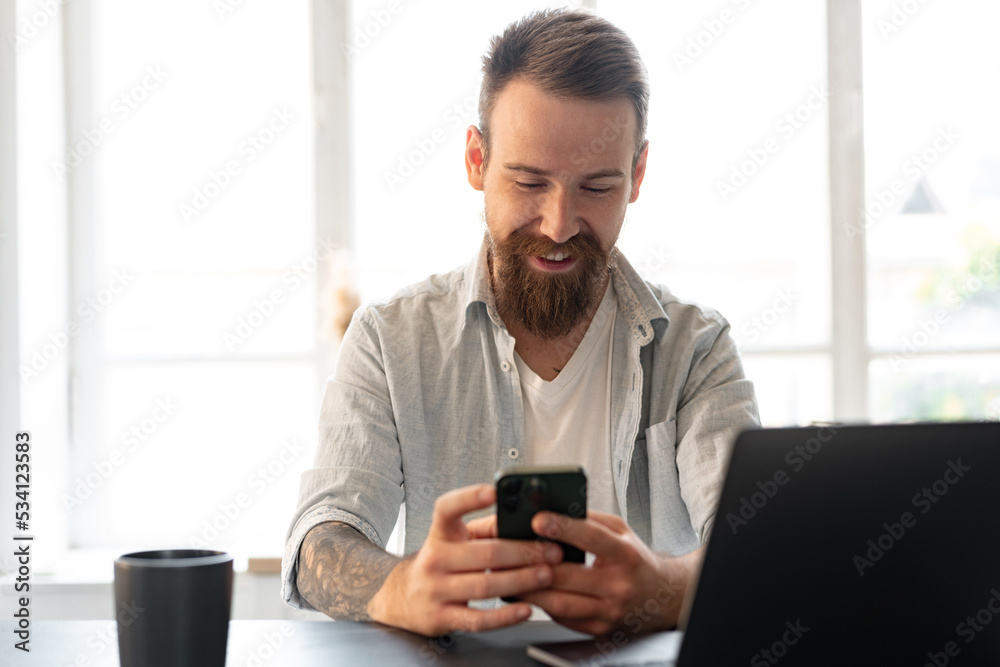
[(171, 324), (932, 215), (733, 212), (735, 209), (186, 325)]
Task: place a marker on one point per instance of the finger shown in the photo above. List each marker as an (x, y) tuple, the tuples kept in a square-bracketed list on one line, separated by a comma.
[(493, 554), (460, 617), (500, 583), (566, 605), (483, 527), (450, 507), (612, 521), (587, 626), (583, 533), (576, 578)]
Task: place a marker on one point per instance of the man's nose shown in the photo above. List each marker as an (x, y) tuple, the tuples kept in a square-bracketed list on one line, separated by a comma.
[(559, 221)]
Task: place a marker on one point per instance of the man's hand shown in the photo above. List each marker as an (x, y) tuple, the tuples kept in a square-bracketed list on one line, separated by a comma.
[(627, 586), (429, 592)]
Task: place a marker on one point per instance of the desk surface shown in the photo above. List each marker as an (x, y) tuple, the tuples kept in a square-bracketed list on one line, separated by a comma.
[(295, 643)]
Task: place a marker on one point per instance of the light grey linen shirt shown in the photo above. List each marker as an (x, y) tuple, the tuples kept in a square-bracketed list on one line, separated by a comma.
[(426, 398)]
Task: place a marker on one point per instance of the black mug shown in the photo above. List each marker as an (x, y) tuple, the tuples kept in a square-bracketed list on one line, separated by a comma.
[(172, 607)]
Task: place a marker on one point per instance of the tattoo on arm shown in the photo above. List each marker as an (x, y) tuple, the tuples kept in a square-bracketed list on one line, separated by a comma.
[(340, 570)]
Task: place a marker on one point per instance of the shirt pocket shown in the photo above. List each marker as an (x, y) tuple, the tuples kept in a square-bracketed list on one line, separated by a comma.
[(671, 523)]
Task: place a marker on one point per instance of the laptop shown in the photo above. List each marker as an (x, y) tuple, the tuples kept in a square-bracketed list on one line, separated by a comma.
[(842, 545)]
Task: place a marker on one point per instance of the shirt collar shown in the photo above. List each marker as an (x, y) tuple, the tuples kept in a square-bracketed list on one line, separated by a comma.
[(477, 286), (635, 300)]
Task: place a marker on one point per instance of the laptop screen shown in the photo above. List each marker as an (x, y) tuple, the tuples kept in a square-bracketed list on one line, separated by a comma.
[(854, 545)]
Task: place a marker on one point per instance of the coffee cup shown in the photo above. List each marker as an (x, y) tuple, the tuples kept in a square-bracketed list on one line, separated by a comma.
[(172, 607)]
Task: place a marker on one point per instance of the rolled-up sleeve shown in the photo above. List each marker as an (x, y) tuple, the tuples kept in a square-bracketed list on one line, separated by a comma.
[(357, 475), (717, 404)]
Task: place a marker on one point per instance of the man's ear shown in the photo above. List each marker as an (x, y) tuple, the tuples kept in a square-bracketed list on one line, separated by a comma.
[(474, 157), (640, 172)]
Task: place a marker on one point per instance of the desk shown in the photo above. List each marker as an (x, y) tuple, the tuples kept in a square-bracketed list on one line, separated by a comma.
[(295, 644)]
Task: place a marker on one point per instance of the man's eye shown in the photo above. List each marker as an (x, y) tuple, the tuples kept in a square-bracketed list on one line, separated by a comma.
[(598, 191), (529, 186)]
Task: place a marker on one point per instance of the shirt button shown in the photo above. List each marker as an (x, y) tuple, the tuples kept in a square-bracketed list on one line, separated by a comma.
[(504, 366), (512, 453)]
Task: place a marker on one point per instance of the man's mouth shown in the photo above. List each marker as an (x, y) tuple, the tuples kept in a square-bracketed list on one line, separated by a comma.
[(555, 261)]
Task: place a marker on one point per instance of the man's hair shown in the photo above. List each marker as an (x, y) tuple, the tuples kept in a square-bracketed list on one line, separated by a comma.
[(570, 54)]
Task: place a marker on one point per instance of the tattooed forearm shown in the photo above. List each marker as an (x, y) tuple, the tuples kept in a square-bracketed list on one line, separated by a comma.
[(340, 570)]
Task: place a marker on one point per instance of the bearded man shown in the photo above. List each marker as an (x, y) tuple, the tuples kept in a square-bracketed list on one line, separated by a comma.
[(548, 348)]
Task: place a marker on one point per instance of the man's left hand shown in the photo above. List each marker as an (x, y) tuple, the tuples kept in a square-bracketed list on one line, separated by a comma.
[(628, 584)]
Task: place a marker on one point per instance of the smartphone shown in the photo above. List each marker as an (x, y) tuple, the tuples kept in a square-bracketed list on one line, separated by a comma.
[(524, 491)]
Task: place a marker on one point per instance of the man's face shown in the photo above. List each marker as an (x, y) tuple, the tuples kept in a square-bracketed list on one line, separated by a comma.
[(556, 188)]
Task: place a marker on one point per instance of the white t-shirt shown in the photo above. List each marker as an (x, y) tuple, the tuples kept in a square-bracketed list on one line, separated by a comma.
[(568, 421)]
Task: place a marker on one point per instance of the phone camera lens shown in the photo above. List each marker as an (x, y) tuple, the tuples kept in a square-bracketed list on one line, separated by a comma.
[(535, 492), (510, 492)]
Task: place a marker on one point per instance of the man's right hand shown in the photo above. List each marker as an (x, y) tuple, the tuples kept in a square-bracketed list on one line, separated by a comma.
[(428, 592)]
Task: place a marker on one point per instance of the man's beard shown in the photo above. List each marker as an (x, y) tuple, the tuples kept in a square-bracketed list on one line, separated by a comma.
[(547, 305)]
